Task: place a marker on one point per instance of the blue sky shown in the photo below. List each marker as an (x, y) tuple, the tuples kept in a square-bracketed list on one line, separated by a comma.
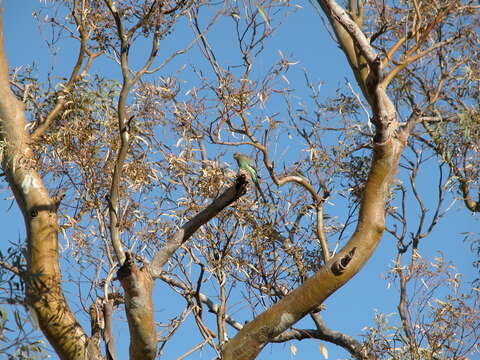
[(353, 306)]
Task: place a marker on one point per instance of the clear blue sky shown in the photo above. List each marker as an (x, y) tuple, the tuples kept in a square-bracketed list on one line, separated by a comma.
[(352, 307)]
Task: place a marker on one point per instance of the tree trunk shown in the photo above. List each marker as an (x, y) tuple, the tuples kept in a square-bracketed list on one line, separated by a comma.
[(43, 282)]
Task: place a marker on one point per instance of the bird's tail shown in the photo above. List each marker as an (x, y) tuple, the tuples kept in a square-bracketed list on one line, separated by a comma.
[(257, 185)]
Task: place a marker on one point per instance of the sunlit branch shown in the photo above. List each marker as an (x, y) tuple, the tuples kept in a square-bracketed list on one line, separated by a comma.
[(123, 123), (464, 185), (60, 95), (412, 58), (205, 331), (444, 77), (103, 229), (43, 291), (340, 14), (318, 200), (192, 350), (391, 52)]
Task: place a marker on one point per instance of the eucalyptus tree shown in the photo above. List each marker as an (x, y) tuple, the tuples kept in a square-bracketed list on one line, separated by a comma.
[(133, 175)]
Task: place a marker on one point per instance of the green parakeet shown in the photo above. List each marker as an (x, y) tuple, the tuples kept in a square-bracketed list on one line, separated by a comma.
[(244, 162)]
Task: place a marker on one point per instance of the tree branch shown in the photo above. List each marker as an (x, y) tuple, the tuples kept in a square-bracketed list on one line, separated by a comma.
[(60, 96), (324, 333), (334, 11), (229, 196), (306, 298), (212, 307), (43, 282)]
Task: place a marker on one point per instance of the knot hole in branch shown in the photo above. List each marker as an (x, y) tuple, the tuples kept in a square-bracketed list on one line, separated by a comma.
[(339, 266)]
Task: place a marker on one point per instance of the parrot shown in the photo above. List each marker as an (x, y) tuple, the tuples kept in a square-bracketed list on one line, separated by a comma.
[(244, 162)]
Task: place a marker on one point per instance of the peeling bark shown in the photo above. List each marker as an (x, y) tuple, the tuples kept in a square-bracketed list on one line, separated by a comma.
[(138, 284)]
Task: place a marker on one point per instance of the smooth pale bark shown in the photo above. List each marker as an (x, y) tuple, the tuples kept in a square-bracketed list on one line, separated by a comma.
[(389, 142), (339, 270), (43, 282)]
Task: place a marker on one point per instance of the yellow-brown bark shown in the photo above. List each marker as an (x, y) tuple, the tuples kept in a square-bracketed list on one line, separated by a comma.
[(43, 281), (341, 268), (138, 285)]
